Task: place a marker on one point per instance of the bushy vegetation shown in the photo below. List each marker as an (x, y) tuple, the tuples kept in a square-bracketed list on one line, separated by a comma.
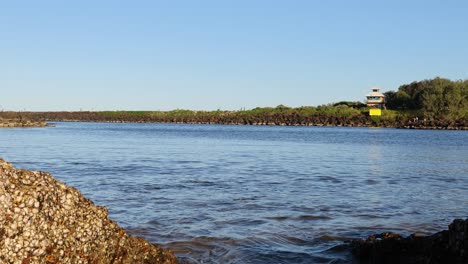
[(436, 99), (327, 115), (444, 103)]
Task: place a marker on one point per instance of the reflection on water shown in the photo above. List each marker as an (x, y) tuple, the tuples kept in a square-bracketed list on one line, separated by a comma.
[(245, 194), (375, 159)]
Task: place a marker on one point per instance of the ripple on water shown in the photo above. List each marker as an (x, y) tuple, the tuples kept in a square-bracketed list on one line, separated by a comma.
[(246, 250), (245, 194), (299, 218)]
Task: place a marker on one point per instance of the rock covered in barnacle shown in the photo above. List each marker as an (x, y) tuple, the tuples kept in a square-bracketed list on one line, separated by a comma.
[(44, 221), (447, 246)]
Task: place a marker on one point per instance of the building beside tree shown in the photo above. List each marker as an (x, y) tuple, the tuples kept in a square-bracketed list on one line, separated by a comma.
[(375, 102)]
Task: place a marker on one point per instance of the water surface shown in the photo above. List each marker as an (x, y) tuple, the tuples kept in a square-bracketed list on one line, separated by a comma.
[(252, 194)]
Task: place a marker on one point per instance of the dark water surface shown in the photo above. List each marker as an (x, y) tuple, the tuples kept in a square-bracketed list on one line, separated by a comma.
[(250, 194)]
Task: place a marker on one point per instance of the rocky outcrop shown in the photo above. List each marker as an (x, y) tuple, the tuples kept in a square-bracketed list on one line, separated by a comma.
[(44, 221), (448, 246), (461, 124), (21, 123)]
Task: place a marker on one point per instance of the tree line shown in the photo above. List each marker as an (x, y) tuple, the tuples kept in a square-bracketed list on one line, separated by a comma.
[(434, 99), (439, 103), (326, 115)]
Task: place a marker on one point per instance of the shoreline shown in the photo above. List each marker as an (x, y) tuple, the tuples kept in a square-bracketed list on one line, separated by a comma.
[(447, 246), (398, 126), (32, 124), (45, 220), (422, 125), (330, 117), (22, 123)]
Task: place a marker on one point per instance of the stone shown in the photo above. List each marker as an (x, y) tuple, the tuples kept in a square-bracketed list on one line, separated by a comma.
[(44, 221), (448, 246)]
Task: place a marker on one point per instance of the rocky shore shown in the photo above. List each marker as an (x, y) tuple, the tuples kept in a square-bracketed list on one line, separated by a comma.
[(439, 125), (44, 221), (263, 117), (21, 123), (448, 246)]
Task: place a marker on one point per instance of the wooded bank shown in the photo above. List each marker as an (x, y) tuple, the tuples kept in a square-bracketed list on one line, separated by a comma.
[(304, 116), (438, 104)]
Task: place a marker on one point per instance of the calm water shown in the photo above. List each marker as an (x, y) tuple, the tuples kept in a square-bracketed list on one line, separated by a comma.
[(249, 194)]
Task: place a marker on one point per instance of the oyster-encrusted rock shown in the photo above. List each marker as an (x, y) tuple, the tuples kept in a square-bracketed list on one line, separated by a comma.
[(44, 221)]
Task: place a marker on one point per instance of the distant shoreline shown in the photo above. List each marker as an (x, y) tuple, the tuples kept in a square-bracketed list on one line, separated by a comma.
[(422, 126), (280, 116)]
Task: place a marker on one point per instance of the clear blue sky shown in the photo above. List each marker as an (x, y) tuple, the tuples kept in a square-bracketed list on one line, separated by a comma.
[(226, 54)]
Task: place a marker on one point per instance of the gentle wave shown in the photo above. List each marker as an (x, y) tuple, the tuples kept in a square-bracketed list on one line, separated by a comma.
[(235, 194)]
